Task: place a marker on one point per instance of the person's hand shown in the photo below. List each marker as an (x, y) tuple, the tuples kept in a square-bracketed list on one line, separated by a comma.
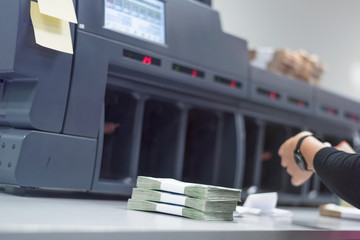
[(286, 152), (344, 146), (110, 127)]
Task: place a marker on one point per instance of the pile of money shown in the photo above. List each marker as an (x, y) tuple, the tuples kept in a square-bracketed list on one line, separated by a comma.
[(295, 64), (196, 201)]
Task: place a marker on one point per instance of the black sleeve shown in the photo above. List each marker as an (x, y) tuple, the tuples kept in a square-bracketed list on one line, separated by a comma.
[(340, 172)]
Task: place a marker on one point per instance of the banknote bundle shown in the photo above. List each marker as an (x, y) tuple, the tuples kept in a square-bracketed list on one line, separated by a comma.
[(297, 64), (191, 200)]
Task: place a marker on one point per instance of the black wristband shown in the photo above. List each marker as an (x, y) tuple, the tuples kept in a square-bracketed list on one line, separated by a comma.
[(299, 158)]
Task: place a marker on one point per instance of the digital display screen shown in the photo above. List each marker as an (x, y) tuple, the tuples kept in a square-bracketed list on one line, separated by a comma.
[(189, 71), (298, 102), (143, 19), (351, 116), (145, 59), (228, 82), (329, 110), (270, 94)]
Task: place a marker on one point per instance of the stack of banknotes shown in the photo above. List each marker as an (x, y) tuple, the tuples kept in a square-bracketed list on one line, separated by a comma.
[(191, 200)]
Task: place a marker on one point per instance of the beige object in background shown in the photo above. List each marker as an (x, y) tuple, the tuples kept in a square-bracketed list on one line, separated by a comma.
[(50, 32), (295, 64), (332, 210), (282, 62), (62, 9)]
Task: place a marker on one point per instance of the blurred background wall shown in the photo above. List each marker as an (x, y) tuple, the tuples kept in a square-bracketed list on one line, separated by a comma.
[(327, 28)]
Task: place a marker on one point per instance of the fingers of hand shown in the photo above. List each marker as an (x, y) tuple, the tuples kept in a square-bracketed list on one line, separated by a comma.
[(287, 154), (284, 162), (299, 177), (299, 180), (281, 149)]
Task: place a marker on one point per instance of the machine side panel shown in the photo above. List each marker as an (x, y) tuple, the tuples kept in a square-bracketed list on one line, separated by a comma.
[(53, 70), (87, 91), (9, 20), (55, 161), (47, 70)]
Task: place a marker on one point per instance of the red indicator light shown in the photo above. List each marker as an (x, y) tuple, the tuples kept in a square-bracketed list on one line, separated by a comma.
[(233, 84), (194, 73), (273, 95), (354, 118), (301, 103), (331, 111), (147, 60)]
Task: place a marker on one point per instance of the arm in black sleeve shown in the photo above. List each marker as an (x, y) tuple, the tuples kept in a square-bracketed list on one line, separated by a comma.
[(340, 172)]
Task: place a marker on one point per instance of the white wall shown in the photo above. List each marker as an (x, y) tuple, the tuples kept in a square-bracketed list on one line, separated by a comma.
[(328, 28)]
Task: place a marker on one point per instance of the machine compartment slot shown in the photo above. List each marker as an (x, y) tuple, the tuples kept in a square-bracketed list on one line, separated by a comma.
[(159, 139), (272, 171), (226, 156), (252, 141), (273, 176), (120, 111), (200, 146)]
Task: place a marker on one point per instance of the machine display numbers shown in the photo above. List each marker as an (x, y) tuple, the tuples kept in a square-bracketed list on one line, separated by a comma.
[(330, 110), (267, 93), (189, 71), (145, 59), (352, 117), (228, 82), (298, 102)]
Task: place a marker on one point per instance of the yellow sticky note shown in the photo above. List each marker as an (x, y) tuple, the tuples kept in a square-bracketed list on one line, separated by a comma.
[(62, 9), (50, 32)]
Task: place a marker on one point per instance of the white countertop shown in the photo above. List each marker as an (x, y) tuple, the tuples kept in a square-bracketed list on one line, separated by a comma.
[(44, 216)]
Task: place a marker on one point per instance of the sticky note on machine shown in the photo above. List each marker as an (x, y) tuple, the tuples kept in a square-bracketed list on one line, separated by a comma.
[(62, 9), (50, 32)]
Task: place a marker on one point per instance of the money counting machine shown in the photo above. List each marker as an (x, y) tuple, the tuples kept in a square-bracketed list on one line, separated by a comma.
[(178, 93)]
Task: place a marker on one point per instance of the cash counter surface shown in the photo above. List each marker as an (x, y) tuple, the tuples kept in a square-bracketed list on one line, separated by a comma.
[(43, 217)]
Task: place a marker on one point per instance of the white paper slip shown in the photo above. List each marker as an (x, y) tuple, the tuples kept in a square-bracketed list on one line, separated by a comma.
[(245, 210), (50, 32), (276, 212), (172, 198), (61, 9), (262, 201), (170, 209), (172, 185), (263, 204)]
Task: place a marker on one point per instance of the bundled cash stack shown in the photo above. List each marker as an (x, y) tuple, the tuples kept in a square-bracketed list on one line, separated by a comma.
[(295, 64), (196, 201), (298, 65)]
